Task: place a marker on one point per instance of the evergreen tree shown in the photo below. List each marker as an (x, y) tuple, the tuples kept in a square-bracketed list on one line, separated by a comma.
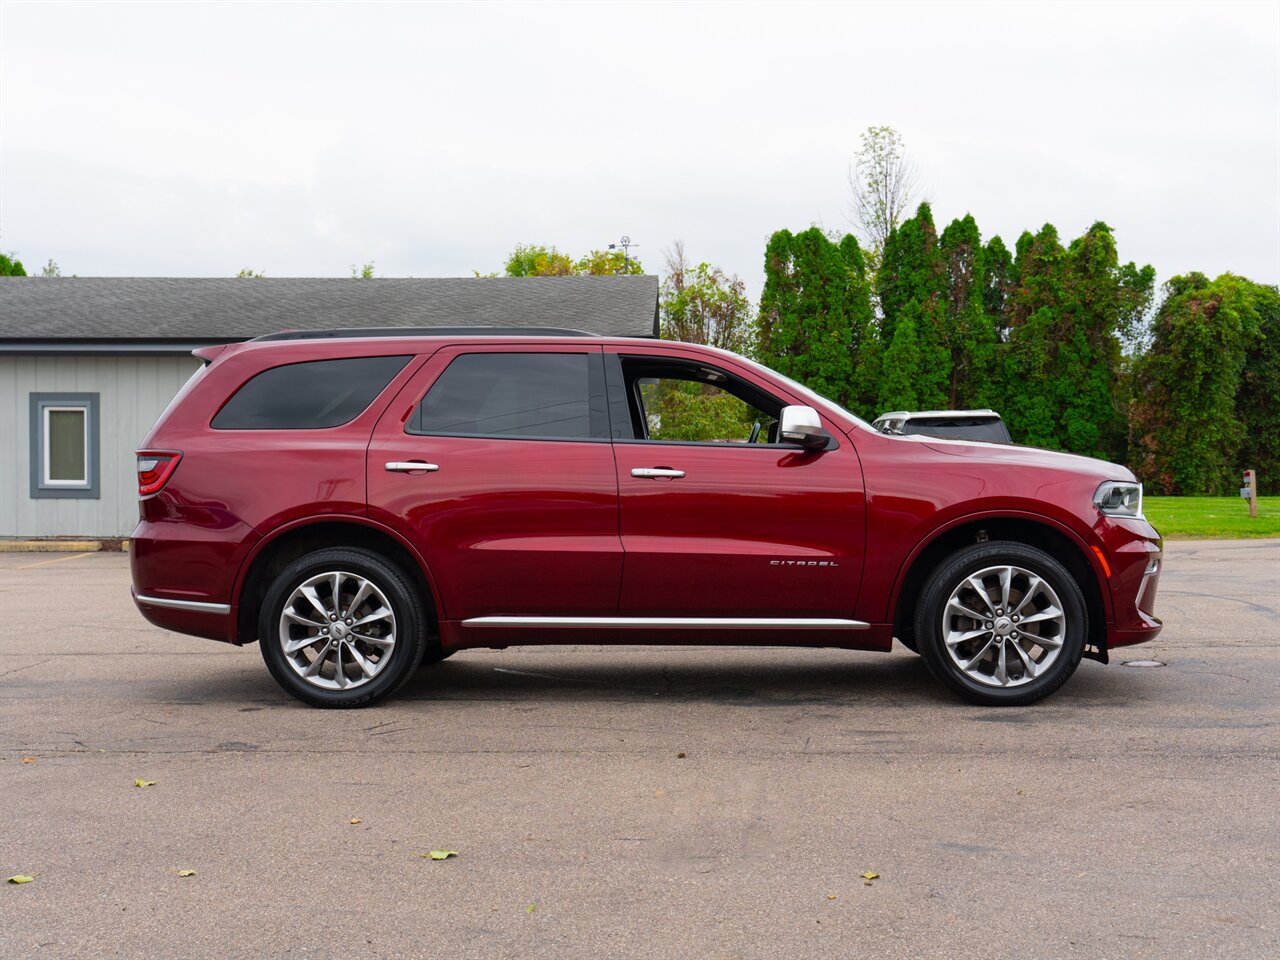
[(998, 280), (913, 271), (814, 310), (899, 384), (969, 332), (861, 395), (1066, 314), (1101, 304), (11, 266)]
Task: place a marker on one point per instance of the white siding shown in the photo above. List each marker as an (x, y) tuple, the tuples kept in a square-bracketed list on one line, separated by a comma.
[(133, 390)]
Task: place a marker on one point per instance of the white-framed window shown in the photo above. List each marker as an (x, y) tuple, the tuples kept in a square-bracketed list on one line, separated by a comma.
[(64, 445)]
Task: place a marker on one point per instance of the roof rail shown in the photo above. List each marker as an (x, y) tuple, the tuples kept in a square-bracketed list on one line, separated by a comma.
[(347, 332)]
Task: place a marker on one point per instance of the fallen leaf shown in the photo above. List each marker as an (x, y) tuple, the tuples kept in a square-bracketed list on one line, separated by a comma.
[(869, 876), (355, 820), (186, 873), (139, 782), (1022, 793), (681, 755), (831, 896), (437, 854), (28, 759), (531, 908), (20, 878)]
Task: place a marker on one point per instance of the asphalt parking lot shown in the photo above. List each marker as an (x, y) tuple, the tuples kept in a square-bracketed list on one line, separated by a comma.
[(638, 801)]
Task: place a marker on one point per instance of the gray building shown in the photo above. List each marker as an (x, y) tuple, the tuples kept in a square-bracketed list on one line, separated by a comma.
[(87, 365)]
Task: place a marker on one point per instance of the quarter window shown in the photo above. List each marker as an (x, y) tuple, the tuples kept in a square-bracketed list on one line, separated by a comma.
[(64, 445), (308, 396), (549, 396)]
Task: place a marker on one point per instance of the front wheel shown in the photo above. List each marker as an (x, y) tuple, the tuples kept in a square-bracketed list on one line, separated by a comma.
[(342, 627), (1002, 624)]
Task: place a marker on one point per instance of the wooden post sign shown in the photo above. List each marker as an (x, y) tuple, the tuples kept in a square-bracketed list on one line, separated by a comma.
[(1250, 491)]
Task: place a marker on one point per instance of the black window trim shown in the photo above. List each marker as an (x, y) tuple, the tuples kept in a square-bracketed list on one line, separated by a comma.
[(596, 377)]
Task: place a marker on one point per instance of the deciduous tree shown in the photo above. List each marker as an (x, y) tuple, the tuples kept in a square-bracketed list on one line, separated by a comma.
[(1258, 401), (1184, 427), (883, 181), (700, 304), (601, 263)]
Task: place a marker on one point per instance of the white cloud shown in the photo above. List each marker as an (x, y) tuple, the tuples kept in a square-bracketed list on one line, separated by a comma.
[(194, 139)]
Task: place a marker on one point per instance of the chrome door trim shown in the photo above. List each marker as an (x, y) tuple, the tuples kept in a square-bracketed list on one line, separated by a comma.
[(194, 605), (407, 466), (654, 472), (659, 623)]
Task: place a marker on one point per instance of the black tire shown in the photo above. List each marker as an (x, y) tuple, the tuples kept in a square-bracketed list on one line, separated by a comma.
[(1069, 631), (412, 636), (909, 643)]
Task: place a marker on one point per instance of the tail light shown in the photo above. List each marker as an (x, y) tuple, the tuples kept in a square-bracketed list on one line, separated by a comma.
[(155, 467)]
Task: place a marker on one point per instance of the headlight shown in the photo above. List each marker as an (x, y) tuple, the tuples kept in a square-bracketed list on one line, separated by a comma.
[(1119, 498)]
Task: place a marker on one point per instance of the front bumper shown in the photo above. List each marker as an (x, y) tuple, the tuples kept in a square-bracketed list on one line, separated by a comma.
[(1135, 554)]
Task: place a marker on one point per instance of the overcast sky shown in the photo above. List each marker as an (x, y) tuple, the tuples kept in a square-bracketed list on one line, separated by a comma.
[(194, 139)]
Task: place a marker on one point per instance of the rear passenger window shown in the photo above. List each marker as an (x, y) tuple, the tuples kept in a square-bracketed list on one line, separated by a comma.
[(550, 396), (308, 396)]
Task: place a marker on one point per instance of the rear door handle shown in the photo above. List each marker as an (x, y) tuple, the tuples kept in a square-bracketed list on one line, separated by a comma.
[(409, 466), (656, 472)]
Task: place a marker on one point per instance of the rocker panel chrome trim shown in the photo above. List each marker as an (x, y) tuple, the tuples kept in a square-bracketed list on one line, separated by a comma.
[(690, 623)]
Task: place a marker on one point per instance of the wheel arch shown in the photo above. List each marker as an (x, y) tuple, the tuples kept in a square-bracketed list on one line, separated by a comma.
[(1058, 541), (287, 543)]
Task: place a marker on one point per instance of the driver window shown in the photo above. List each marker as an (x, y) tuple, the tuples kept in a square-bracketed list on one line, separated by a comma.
[(690, 406)]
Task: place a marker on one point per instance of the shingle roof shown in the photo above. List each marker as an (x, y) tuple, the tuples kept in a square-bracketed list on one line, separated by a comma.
[(219, 310)]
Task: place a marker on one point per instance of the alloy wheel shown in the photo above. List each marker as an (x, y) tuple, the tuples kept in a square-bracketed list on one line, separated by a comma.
[(337, 630), (1003, 626)]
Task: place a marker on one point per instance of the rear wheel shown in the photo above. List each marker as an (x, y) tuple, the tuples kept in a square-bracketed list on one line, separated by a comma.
[(342, 627), (1002, 624)]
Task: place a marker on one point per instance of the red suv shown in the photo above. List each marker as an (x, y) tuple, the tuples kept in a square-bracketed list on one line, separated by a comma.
[(362, 502)]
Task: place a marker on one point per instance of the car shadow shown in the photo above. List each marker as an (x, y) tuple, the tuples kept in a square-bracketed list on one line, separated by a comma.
[(755, 677), (713, 677)]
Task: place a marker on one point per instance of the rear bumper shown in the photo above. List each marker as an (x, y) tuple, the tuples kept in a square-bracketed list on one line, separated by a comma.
[(182, 578), (215, 621)]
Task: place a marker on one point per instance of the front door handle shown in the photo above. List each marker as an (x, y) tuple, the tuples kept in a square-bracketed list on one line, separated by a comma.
[(656, 472), (409, 466)]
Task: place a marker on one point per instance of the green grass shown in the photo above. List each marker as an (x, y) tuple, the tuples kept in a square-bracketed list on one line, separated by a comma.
[(1212, 518)]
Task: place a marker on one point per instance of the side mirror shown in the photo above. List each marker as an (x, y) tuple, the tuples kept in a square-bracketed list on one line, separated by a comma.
[(801, 426)]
